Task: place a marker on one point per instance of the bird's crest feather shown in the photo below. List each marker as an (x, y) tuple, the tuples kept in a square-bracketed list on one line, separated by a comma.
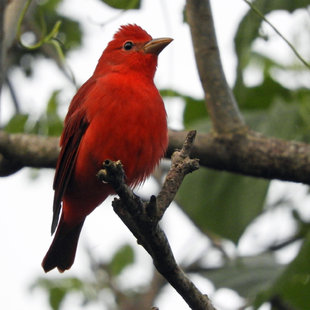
[(132, 31)]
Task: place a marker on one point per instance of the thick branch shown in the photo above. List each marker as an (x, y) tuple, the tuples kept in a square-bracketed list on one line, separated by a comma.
[(21, 150), (8, 166), (220, 101), (249, 154), (142, 221), (3, 4)]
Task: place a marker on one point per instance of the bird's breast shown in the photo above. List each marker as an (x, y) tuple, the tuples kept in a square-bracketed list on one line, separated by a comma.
[(127, 123)]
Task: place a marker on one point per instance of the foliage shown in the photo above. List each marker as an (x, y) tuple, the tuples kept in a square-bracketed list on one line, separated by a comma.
[(105, 276), (226, 204), (66, 32), (123, 4), (292, 286), (49, 123), (247, 275)]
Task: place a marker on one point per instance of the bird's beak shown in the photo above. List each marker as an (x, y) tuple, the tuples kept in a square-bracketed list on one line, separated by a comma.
[(155, 46)]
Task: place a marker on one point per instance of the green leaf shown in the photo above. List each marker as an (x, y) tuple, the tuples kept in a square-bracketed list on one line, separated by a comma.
[(57, 289), (56, 296), (121, 259), (50, 123), (246, 275), (44, 18), (54, 123), (195, 109), (248, 29), (52, 104), (222, 203), (17, 123), (123, 4), (304, 113), (50, 5), (270, 122), (293, 286), (262, 95), (70, 33)]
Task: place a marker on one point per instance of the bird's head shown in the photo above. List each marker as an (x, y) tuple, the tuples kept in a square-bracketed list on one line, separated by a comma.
[(132, 48)]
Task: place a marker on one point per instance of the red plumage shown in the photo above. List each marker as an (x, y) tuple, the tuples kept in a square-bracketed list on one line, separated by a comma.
[(117, 114)]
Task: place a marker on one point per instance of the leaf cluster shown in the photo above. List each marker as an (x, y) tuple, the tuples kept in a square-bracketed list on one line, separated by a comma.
[(225, 205), (104, 282)]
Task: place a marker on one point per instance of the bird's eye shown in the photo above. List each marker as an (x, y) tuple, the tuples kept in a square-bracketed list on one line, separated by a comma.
[(128, 45)]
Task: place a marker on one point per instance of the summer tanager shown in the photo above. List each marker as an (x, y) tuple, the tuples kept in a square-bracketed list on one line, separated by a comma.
[(118, 114)]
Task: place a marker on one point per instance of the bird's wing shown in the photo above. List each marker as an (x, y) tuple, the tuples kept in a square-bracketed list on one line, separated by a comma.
[(76, 124)]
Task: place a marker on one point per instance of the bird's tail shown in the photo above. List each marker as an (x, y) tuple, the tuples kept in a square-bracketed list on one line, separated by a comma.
[(61, 253)]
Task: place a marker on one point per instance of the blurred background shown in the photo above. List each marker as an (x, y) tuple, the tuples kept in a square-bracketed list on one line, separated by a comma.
[(244, 241)]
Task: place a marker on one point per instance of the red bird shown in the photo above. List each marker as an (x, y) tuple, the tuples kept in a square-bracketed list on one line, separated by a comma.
[(118, 114)]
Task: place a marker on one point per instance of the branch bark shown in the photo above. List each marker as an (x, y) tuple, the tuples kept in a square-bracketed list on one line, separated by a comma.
[(142, 220), (25, 150), (248, 153), (3, 4), (181, 164), (220, 101)]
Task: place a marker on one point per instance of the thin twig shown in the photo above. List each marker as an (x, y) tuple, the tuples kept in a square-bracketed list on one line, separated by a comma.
[(13, 95), (285, 243), (144, 225), (181, 165), (45, 37), (291, 46), (3, 4)]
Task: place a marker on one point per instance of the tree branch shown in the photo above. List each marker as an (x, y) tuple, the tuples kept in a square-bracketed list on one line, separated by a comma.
[(25, 150), (233, 147), (13, 95), (249, 154), (142, 221), (220, 101), (9, 15), (3, 4), (181, 165), (8, 166)]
